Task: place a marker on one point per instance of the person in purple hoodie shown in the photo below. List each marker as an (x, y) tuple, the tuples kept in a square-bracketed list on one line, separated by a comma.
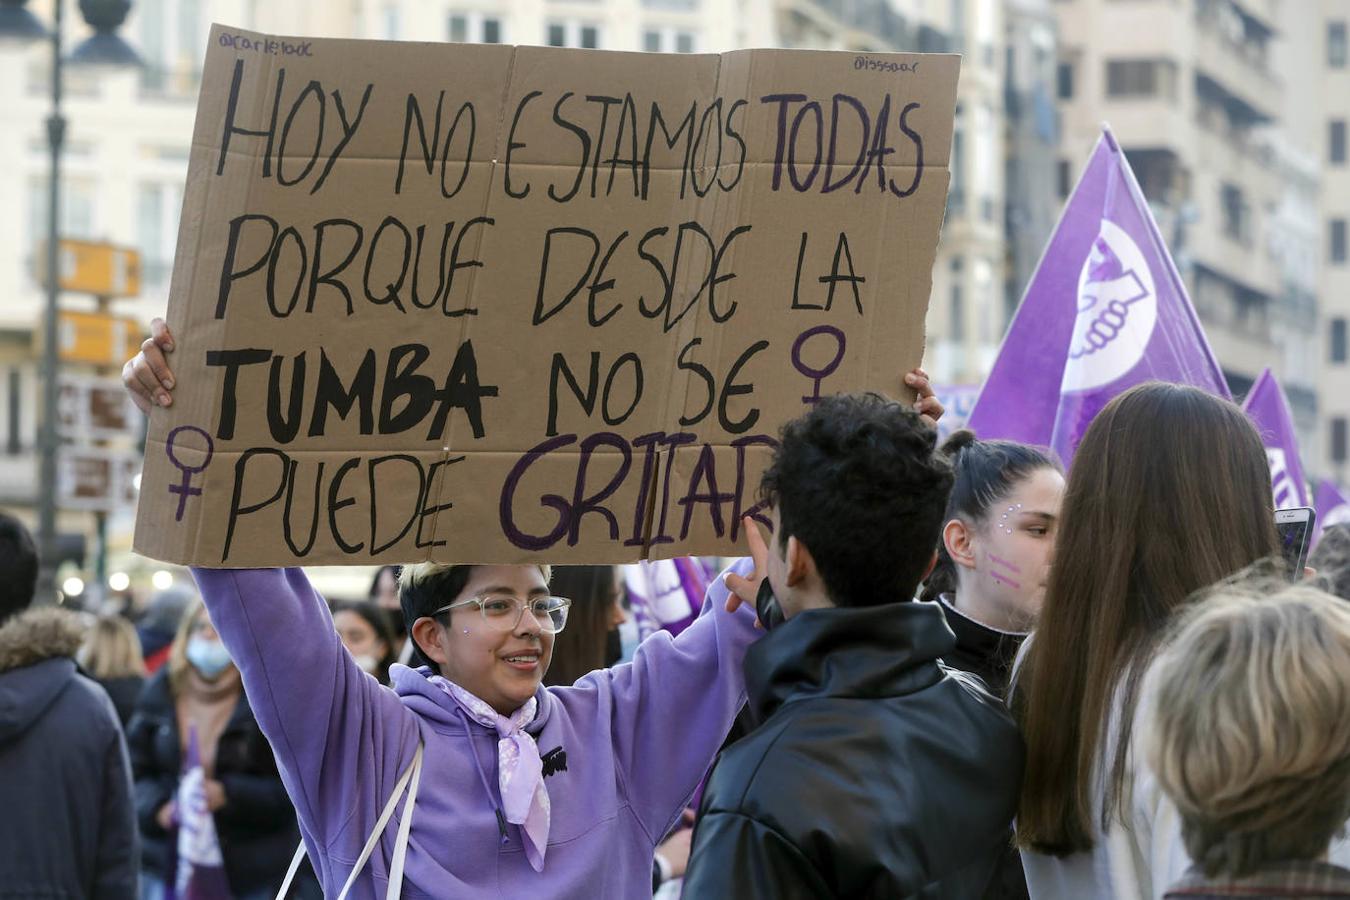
[(559, 792)]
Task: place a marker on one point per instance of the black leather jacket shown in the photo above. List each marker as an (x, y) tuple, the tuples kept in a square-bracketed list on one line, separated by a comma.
[(874, 772)]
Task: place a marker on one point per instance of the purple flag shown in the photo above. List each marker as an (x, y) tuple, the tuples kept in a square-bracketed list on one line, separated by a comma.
[(1106, 310), (666, 594), (1332, 507), (201, 869), (1269, 411)]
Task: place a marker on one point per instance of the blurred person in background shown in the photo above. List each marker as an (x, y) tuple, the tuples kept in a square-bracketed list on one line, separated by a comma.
[(591, 640), (199, 692), (384, 594), (1330, 560), (67, 828), (111, 655), (160, 623), (364, 629), (1248, 731)]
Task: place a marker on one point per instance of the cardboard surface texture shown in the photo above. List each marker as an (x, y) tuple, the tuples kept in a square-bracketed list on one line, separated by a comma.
[(493, 304)]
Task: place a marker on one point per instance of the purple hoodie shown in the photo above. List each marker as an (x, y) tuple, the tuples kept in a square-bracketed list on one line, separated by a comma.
[(637, 739)]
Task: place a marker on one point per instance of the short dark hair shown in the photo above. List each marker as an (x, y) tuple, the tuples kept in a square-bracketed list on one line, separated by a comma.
[(18, 567), (424, 588), (858, 481)]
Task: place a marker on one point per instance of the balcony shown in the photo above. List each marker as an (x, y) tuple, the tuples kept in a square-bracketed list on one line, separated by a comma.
[(1235, 70)]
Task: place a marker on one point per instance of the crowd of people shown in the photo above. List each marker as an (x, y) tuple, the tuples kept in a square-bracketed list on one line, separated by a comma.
[(945, 672)]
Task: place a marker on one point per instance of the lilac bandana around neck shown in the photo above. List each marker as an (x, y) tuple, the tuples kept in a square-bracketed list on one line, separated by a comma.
[(520, 771)]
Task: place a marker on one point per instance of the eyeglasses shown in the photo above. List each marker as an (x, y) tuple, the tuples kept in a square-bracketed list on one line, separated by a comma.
[(503, 612)]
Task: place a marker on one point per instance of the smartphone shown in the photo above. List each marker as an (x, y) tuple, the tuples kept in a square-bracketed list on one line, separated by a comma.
[(1295, 527)]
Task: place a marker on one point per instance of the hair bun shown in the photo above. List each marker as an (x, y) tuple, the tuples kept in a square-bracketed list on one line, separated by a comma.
[(958, 441)]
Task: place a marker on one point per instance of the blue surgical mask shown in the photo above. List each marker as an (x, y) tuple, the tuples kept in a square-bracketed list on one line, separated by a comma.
[(210, 658)]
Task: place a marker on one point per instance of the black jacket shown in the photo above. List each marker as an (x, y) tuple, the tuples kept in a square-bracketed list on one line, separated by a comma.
[(256, 827), (875, 771), (123, 692), (67, 827), (981, 650)]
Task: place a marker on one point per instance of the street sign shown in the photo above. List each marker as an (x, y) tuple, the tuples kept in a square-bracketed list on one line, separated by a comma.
[(95, 408), (94, 267), (98, 479), (98, 339)]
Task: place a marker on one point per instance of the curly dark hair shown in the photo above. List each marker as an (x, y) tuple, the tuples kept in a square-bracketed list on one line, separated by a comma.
[(859, 482)]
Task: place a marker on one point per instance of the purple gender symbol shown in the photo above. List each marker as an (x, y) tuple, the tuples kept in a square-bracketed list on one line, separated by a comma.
[(186, 489), (817, 375)]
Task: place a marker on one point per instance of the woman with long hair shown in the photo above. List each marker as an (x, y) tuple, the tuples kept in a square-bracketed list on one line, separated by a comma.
[(591, 639), (995, 554), (1169, 493), (198, 696), (111, 655)]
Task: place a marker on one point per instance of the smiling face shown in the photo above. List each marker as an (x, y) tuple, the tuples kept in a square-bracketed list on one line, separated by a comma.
[(1005, 561), (501, 668)]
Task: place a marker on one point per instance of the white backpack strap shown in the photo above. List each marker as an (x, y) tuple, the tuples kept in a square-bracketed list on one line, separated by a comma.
[(411, 774)]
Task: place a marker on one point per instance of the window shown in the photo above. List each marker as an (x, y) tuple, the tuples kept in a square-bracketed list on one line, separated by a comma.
[(1140, 78), (1337, 250), (470, 27), (157, 208), (1336, 45), (668, 40), (572, 33), (1336, 142), (1236, 213), (14, 439), (671, 4), (1338, 440), (172, 43), (391, 23), (1064, 176), (1064, 79), (1338, 340)]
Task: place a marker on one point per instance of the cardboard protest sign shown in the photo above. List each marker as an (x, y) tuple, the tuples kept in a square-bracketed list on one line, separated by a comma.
[(479, 303)]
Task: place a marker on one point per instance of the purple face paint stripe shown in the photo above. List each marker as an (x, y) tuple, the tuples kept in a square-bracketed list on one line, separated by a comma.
[(999, 561)]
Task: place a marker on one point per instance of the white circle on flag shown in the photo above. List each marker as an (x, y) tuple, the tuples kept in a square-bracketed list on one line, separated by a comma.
[(1117, 311)]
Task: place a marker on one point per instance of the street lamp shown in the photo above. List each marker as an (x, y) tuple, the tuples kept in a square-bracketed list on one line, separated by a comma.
[(17, 24)]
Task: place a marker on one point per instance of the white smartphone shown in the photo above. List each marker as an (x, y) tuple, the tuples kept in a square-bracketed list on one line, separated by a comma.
[(1295, 527)]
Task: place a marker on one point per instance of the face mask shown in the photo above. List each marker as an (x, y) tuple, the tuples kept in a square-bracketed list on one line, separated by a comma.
[(367, 662), (766, 606), (210, 658)]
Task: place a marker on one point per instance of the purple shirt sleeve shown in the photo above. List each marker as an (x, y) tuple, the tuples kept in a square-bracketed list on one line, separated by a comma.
[(340, 739), (674, 704)]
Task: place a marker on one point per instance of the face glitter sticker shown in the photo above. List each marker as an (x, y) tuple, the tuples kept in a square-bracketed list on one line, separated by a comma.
[(1003, 519)]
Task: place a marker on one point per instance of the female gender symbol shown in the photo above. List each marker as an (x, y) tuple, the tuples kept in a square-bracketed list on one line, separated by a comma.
[(817, 375), (186, 489)]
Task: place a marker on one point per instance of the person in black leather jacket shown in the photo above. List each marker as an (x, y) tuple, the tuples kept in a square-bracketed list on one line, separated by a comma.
[(874, 771)]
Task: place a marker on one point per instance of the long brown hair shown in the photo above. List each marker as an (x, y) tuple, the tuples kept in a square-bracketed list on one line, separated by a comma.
[(580, 648), (1169, 493)]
